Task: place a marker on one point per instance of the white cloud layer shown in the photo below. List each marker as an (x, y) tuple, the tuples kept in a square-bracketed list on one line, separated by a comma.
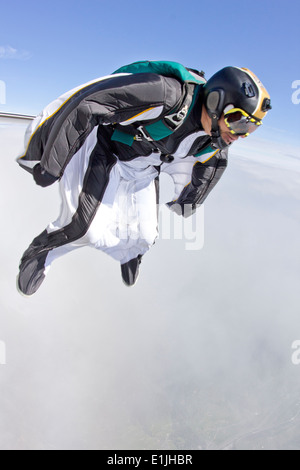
[(275, 154), (9, 52), (197, 356)]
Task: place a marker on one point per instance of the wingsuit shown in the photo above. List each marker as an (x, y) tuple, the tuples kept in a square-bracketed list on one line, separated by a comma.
[(107, 142)]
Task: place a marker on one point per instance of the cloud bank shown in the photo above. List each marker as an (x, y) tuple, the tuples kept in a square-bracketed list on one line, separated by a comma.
[(197, 356)]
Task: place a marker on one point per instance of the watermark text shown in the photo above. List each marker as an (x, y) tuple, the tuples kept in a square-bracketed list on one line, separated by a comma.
[(188, 227), (141, 221), (296, 353)]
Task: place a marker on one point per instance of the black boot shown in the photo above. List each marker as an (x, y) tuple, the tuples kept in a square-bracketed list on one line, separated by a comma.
[(32, 267), (131, 271), (32, 275)]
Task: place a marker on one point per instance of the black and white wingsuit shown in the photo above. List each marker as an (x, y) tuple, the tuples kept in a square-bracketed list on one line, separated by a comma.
[(107, 142)]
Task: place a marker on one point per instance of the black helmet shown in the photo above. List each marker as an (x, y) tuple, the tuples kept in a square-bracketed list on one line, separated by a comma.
[(238, 88)]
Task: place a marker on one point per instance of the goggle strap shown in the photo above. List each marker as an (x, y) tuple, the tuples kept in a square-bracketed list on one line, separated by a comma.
[(215, 130)]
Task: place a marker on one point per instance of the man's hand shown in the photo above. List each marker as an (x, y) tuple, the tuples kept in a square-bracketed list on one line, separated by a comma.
[(42, 177)]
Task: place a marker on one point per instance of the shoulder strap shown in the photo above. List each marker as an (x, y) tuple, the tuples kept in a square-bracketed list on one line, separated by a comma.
[(163, 127)]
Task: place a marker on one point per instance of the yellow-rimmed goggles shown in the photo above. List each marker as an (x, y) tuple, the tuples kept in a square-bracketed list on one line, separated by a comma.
[(241, 123)]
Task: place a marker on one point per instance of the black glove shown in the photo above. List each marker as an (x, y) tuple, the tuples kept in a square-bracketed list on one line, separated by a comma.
[(185, 210), (42, 177)]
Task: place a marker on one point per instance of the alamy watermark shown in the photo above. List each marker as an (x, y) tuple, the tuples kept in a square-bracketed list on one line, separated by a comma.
[(140, 221), (2, 92), (2, 353), (296, 93), (296, 353), (188, 227)]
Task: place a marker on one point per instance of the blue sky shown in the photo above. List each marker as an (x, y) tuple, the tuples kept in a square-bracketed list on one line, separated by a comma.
[(47, 48)]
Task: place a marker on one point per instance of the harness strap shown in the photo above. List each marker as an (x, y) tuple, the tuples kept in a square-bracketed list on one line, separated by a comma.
[(162, 127)]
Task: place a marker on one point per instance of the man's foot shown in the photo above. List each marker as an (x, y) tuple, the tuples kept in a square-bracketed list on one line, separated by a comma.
[(32, 274), (131, 271)]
